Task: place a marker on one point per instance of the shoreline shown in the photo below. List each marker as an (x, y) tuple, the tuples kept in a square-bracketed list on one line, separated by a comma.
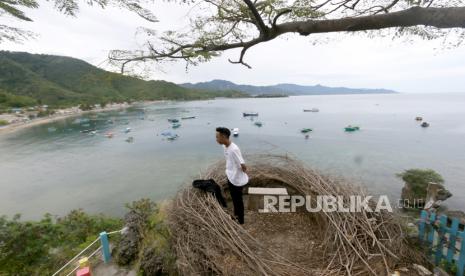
[(10, 128)]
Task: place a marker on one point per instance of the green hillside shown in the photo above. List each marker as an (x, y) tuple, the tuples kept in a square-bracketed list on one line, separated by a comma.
[(63, 81)]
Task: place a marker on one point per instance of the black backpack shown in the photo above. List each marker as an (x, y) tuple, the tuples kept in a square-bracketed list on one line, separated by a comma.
[(210, 186)]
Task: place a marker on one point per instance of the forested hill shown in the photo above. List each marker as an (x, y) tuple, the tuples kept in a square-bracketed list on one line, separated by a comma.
[(27, 79), (283, 89)]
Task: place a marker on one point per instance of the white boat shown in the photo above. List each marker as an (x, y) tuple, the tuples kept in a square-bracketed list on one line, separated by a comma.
[(235, 132), (127, 130)]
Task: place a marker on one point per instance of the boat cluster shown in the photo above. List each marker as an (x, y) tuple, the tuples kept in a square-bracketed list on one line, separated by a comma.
[(175, 123), (423, 124)]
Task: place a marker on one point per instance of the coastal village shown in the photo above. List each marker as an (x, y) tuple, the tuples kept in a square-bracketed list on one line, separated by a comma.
[(22, 117)]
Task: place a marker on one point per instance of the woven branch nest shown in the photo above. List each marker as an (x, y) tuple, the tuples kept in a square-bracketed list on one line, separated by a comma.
[(208, 242)]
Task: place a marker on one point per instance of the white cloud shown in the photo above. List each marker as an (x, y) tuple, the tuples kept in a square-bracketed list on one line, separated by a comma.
[(343, 61)]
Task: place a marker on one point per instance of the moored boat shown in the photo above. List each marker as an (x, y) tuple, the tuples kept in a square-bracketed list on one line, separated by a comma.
[(312, 110), (259, 124), (350, 128), (246, 114), (176, 125), (425, 124), (419, 118), (186, 118), (173, 120), (172, 137), (306, 130), (87, 130)]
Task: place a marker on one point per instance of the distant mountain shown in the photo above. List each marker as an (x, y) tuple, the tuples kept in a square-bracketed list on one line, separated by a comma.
[(283, 89), (27, 79)]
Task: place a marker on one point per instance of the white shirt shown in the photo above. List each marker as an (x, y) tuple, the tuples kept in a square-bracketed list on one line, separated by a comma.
[(233, 165)]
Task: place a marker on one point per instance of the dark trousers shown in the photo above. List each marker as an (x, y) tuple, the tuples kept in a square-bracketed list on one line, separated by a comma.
[(236, 195)]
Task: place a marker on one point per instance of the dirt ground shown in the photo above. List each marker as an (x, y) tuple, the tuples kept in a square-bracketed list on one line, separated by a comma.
[(291, 235)]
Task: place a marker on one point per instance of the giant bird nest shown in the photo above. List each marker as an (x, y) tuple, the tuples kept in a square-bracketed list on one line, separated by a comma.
[(208, 242)]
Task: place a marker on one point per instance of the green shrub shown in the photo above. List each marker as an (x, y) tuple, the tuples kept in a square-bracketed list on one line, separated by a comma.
[(41, 247), (419, 179)]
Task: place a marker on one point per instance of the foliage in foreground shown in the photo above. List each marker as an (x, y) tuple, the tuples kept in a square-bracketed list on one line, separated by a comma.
[(147, 246), (41, 247)]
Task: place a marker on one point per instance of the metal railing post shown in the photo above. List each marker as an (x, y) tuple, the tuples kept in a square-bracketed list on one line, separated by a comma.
[(105, 247)]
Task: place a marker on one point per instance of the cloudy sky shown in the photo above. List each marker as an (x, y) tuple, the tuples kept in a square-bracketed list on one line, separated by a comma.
[(351, 61)]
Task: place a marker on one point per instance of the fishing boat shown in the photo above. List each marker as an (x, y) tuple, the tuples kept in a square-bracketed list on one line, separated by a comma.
[(127, 130), (419, 118), (87, 130), (235, 132), (312, 110), (172, 137), (247, 114), (167, 133), (186, 118), (425, 124), (129, 139), (176, 125), (351, 128), (306, 130), (173, 120), (259, 124)]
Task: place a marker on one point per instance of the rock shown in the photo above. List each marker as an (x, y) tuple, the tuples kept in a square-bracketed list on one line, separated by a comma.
[(435, 195), (151, 263), (128, 247), (443, 194), (423, 271)]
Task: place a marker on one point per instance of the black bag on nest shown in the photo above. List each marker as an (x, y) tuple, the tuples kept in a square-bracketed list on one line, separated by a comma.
[(210, 186)]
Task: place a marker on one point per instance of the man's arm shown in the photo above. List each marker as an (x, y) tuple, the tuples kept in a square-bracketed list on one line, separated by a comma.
[(238, 157)]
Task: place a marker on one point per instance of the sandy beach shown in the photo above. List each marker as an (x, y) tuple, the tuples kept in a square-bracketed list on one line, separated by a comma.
[(56, 117)]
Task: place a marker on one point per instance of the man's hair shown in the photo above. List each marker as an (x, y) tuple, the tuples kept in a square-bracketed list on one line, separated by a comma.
[(224, 131)]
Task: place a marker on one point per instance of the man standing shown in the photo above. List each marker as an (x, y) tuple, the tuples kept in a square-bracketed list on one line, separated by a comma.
[(235, 171)]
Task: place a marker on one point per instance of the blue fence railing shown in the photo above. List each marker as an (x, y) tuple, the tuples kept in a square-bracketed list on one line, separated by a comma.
[(445, 239), (104, 248)]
